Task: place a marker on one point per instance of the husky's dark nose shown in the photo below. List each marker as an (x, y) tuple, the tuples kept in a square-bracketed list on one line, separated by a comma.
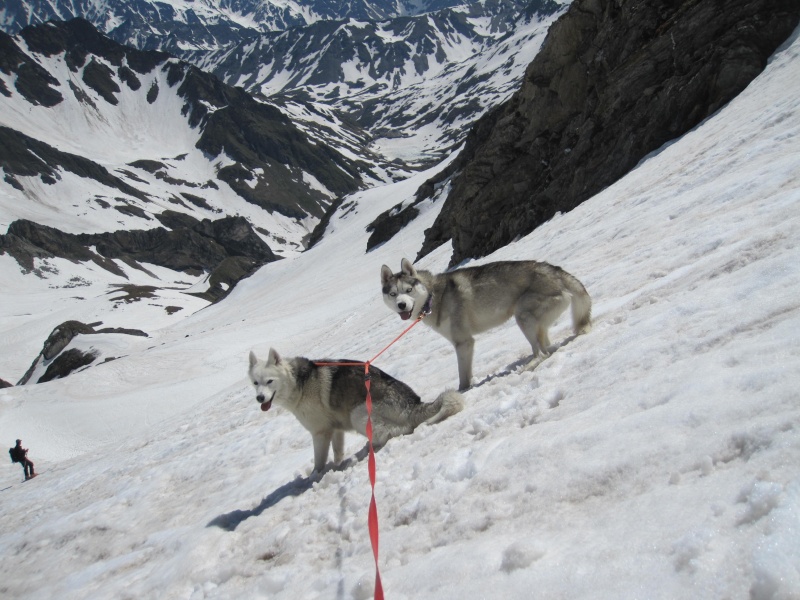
[(401, 305), (260, 398)]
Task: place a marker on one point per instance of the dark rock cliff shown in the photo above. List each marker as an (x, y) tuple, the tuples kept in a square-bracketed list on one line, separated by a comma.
[(613, 82), (228, 249), (24, 156), (60, 362)]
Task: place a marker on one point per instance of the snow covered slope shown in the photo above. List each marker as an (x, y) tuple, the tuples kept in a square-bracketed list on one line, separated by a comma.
[(656, 457)]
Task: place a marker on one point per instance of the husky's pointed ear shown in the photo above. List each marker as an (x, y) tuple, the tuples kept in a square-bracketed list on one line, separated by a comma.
[(253, 359), (407, 268), (274, 357), (386, 274)]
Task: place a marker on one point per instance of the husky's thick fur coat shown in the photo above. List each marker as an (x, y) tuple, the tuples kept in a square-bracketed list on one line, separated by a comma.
[(329, 400), (468, 301)]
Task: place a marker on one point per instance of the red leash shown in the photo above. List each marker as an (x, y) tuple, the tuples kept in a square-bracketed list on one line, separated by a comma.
[(372, 520)]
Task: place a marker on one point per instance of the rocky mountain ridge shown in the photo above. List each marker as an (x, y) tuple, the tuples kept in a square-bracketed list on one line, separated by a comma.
[(613, 82), (227, 248), (422, 79), (249, 146), (176, 27), (412, 76)]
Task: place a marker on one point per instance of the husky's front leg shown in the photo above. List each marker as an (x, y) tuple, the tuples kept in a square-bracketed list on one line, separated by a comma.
[(322, 441), (464, 351)]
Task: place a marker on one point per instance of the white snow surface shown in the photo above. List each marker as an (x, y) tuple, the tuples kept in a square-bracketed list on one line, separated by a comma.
[(657, 456)]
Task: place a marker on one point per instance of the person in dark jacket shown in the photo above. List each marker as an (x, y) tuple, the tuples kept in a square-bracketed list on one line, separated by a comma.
[(20, 455)]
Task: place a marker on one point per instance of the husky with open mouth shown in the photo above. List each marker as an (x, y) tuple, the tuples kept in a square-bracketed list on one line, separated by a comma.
[(328, 400)]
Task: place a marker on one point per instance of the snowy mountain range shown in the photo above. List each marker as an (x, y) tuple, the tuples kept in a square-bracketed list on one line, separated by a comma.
[(415, 84), (413, 76), (314, 115), (178, 25)]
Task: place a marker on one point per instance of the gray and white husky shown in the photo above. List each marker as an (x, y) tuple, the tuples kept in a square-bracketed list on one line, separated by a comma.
[(329, 400), (464, 302)]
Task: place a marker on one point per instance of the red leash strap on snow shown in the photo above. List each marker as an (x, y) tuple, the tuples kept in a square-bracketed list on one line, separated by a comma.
[(373, 507), (372, 519)]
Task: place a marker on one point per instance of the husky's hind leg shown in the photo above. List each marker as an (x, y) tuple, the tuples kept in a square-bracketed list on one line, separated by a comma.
[(535, 314), (338, 446), (384, 424)]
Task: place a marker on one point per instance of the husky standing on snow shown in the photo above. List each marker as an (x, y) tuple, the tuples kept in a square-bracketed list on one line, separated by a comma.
[(464, 302), (329, 400)]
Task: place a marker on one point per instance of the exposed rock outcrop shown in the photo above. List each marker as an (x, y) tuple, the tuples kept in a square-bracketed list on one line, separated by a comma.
[(388, 224), (191, 246), (69, 361), (614, 81), (60, 363), (23, 156)]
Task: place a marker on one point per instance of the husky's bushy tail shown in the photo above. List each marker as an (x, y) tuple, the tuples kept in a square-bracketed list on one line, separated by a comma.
[(446, 405), (581, 304), (388, 424)]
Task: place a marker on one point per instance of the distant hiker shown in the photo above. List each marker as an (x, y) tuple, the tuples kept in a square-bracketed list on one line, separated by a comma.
[(19, 455)]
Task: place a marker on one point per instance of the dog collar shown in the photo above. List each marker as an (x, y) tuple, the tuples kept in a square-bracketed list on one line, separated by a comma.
[(426, 308)]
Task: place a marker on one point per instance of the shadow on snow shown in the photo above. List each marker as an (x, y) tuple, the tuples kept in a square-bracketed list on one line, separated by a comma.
[(230, 521)]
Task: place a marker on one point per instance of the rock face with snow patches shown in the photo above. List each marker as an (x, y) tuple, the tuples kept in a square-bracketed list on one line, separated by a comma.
[(351, 75), (56, 360), (175, 26), (188, 246), (612, 82), (428, 75), (269, 154)]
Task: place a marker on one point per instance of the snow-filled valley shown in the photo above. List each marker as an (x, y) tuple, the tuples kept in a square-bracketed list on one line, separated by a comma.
[(658, 456)]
